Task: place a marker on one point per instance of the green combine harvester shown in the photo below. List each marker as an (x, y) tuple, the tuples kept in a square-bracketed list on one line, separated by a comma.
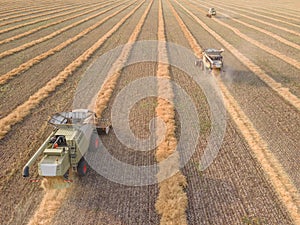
[(75, 133)]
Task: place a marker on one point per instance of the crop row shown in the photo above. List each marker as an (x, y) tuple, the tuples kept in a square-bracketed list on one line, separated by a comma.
[(24, 109), (273, 169)]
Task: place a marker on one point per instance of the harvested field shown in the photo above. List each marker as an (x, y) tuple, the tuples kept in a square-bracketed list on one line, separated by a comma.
[(47, 48)]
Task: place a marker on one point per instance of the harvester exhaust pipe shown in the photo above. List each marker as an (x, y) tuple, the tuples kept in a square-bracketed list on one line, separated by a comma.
[(35, 156), (26, 171)]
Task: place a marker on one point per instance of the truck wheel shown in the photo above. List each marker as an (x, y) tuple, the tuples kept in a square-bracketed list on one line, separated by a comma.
[(82, 167)]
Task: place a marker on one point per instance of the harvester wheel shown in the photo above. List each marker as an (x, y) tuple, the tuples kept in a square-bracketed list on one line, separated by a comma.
[(82, 167)]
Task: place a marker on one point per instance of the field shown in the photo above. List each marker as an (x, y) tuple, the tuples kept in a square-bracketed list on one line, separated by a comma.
[(46, 49)]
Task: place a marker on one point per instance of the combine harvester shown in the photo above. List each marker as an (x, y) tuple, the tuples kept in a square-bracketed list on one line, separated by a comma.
[(211, 12), (211, 60), (75, 133)]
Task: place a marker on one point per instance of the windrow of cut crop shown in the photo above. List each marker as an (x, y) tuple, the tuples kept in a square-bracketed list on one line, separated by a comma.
[(172, 201), (276, 86), (23, 110), (280, 13), (31, 23), (273, 35), (19, 10), (258, 20), (55, 11), (94, 8), (32, 11), (108, 87), (287, 59), (55, 194), (243, 9), (284, 187), (277, 14), (25, 66), (54, 34)]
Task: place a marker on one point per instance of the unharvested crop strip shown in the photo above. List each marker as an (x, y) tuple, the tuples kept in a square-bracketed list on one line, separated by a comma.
[(277, 87), (284, 187), (19, 113), (52, 11), (172, 200), (257, 14), (25, 66), (260, 21), (57, 10), (273, 35), (271, 51), (52, 35), (18, 36), (106, 91)]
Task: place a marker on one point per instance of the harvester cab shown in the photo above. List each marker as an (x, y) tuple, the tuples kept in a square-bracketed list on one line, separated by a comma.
[(74, 134)]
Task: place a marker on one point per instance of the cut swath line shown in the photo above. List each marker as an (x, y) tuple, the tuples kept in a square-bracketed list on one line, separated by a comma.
[(284, 187), (273, 35), (30, 23), (25, 66), (39, 10), (52, 35), (281, 13), (172, 201), (268, 11), (271, 51), (17, 11), (106, 90), (257, 14), (258, 20), (19, 113), (277, 87), (55, 23), (51, 201), (55, 10)]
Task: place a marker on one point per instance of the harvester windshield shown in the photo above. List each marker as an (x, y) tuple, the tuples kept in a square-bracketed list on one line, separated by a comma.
[(78, 117)]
